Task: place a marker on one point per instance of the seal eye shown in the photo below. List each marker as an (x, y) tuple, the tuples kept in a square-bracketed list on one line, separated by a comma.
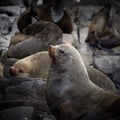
[(61, 51)]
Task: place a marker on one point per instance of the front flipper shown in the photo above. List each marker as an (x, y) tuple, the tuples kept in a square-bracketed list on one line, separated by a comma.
[(105, 49), (108, 50), (57, 13)]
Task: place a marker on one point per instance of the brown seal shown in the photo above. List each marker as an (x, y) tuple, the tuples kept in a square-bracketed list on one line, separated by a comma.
[(69, 92), (99, 34), (24, 20), (37, 66), (107, 39), (53, 12), (19, 38), (50, 34), (28, 32)]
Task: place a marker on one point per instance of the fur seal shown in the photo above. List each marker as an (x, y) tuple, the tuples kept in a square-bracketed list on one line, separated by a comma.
[(53, 12), (37, 66), (50, 34), (99, 22), (69, 92), (24, 20), (107, 39), (35, 27), (99, 34), (28, 32)]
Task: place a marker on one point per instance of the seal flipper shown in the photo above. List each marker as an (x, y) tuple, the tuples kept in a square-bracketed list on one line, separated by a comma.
[(34, 9), (57, 13), (108, 50), (105, 49)]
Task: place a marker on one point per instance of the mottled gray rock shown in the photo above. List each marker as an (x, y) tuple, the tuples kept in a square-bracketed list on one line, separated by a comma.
[(4, 43), (116, 25), (105, 63), (28, 89), (116, 74), (10, 2), (48, 117), (96, 2), (10, 10), (5, 24), (17, 113), (87, 12)]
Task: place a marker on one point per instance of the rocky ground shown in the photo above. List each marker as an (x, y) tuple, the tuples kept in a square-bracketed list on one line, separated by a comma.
[(31, 90)]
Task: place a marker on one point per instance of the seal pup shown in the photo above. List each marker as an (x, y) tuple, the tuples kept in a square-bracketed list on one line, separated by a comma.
[(34, 66), (53, 12), (69, 92)]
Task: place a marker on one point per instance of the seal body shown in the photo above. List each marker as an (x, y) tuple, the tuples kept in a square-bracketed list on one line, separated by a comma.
[(34, 66), (49, 34), (53, 11), (24, 20), (99, 35), (71, 95)]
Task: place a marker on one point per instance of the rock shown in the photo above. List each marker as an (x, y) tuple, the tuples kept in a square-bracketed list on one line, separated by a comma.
[(4, 83), (95, 2), (11, 2), (88, 11), (31, 91), (4, 24), (10, 10), (105, 63), (1, 97), (116, 26), (48, 117), (17, 113), (4, 43), (116, 75)]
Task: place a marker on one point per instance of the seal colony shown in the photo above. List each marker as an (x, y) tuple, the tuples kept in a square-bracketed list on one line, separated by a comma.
[(69, 92)]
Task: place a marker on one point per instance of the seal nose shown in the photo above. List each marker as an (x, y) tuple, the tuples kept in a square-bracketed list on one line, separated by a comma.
[(12, 71), (52, 50), (52, 47)]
